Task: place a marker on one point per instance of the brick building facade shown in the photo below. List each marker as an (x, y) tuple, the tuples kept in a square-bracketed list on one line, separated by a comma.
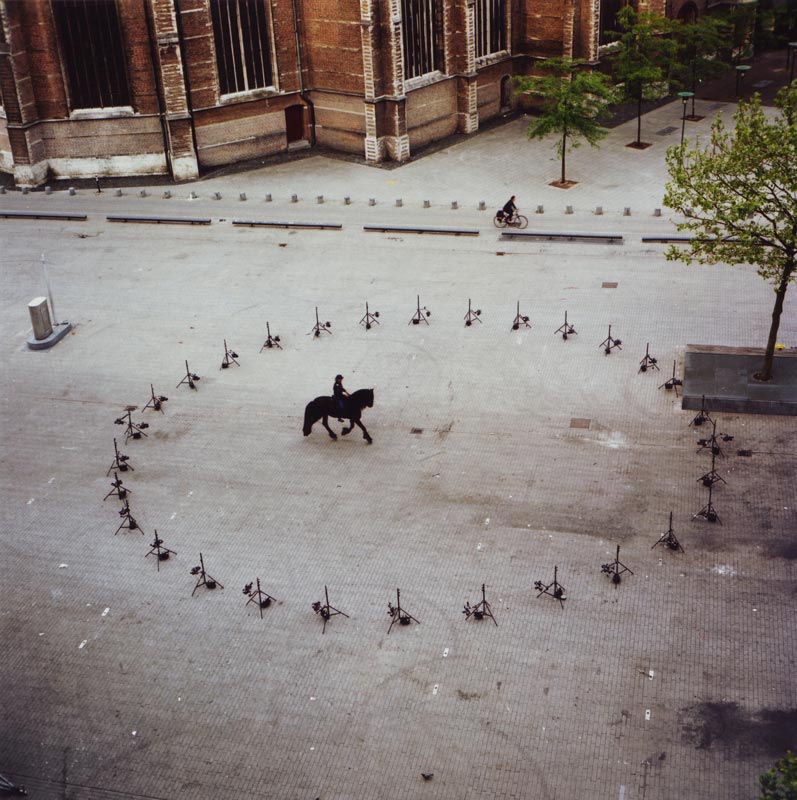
[(175, 87)]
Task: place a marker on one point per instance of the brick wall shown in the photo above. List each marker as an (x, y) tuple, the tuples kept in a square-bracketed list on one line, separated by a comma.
[(489, 88), (351, 73), (542, 27), (431, 112)]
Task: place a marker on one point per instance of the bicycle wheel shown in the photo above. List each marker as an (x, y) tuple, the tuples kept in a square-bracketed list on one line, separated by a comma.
[(500, 222), (521, 222)]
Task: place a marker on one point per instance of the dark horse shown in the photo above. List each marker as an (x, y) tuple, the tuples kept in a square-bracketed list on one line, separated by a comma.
[(324, 406)]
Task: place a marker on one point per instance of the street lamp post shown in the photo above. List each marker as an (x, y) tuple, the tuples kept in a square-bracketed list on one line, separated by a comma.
[(684, 98), (741, 71)]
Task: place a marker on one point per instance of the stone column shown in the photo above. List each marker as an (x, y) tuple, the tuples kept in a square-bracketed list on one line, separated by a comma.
[(368, 34), (27, 150), (463, 53), (391, 112), (170, 72)]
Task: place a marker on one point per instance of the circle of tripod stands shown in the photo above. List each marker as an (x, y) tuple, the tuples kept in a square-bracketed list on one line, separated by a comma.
[(399, 615)]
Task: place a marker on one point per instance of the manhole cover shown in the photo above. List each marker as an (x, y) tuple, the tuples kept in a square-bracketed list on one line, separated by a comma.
[(416, 430), (666, 131), (579, 422), (609, 285)]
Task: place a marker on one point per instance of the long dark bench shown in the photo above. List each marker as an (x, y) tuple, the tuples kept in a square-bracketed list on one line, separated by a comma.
[(320, 226), (606, 238), (673, 239), (42, 215), (421, 229), (159, 220)]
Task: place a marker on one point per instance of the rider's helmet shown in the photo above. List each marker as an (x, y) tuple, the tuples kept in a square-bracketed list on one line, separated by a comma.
[(339, 377)]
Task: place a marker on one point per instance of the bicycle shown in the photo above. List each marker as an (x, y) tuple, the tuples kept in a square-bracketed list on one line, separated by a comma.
[(500, 220)]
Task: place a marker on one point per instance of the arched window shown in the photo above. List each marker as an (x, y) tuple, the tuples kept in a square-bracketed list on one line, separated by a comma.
[(243, 55), (608, 20), (92, 52), (422, 35), (490, 27)]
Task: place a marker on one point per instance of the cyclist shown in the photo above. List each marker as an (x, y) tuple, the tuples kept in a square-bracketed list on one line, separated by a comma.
[(509, 209)]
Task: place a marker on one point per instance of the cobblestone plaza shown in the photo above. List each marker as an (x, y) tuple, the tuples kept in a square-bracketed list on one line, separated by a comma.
[(498, 456)]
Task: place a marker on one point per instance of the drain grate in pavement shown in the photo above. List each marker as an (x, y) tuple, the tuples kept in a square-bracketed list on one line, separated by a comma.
[(743, 453), (666, 131), (416, 430), (609, 285), (579, 422)]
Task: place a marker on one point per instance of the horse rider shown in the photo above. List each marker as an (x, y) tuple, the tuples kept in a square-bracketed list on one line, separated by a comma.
[(338, 393)]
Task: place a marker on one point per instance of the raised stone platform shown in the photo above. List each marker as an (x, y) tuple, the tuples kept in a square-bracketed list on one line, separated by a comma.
[(724, 375), (60, 329)]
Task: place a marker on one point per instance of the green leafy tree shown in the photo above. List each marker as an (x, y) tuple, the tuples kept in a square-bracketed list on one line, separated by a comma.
[(780, 783), (644, 56), (739, 196), (701, 43), (742, 19), (574, 99)]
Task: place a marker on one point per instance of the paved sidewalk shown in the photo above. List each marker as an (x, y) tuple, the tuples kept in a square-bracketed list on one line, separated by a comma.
[(498, 455)]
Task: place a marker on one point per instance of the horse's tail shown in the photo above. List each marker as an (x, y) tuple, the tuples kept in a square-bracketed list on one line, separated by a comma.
[(308, 419)]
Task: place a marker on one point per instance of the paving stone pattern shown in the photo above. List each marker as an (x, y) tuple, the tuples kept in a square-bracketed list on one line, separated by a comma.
[(116, 682)]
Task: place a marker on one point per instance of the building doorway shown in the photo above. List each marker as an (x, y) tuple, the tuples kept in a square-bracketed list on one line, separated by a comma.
[(506, 94), (294, 125)]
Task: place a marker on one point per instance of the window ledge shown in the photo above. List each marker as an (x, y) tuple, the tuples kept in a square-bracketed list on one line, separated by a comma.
[(102, 113), (423, 80), (251, 94)]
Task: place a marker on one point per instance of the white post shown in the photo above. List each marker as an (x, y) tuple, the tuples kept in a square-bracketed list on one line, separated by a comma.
[(49, 291)]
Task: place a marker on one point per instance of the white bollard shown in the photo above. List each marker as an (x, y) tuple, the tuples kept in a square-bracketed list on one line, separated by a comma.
[(40, 318)]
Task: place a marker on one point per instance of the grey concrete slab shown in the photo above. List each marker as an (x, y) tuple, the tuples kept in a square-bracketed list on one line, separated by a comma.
[(116, 682), (724, 377)]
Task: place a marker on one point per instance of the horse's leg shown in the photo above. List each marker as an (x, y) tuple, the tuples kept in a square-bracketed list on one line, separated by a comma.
[(329, 430), (348, 430), (366, 435)]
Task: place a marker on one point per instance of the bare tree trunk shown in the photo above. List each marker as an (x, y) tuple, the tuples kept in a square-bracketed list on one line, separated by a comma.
[(639, 118), (564, 151), (780, 295)]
